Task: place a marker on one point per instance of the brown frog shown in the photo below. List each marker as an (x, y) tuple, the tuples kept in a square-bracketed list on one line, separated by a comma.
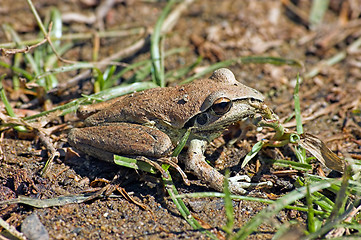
[(152, 122)]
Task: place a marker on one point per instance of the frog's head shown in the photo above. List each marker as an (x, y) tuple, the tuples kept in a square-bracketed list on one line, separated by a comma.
[(228, 103)]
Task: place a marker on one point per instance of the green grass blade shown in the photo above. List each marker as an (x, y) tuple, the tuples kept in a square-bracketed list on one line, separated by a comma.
[(330, 225), (354, 185), (296, 98), (274, 208), (8, 107), (99, 80), (141, 74), (310, 212), (182, 208), (292, 164), (341, 196), (228, 205), (34, 66), (158, 67), (5, 100), (57, 28), (17, 70), (134, 164), (299, 151), (103, 95), (181, 143), (318, 198), (245, 198), (271, 60), (71, 67), (37, 17), (50, 82), (255, 149), (109, 72), (300, 154), (318, 10), (17, 61), (120, 74)]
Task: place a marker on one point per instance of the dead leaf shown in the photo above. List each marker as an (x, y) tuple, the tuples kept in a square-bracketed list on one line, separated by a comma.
[(323, 154)]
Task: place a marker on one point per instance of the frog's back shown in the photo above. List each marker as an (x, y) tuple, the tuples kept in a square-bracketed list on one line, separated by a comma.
[(171, 105), (174, 106)]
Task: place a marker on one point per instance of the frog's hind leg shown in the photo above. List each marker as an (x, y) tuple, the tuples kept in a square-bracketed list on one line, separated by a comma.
[(95, 152), (122, 139)]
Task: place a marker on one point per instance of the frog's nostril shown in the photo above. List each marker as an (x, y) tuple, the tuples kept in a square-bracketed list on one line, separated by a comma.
[(202, 119)]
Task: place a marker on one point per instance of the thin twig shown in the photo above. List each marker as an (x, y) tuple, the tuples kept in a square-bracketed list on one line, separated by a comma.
[(45, 140), (334, 59), (6, 52), (81, 36), (173, 17), (127, 51), (71, 82), (78, 18), (126, 195), (101, 11), (2, 155), (293, 8)]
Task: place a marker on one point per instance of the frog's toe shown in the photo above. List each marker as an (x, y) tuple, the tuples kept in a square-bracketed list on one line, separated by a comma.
[(237, 188), (238, 184), (240, 178)]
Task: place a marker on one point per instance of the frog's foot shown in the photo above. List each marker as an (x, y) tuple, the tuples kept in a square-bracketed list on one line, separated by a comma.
[(237, 184)]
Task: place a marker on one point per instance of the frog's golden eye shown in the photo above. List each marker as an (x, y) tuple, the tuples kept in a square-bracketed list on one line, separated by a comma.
[(221, 105)]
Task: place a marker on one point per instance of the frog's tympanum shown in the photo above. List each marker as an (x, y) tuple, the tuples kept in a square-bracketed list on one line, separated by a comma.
[(152, 122)]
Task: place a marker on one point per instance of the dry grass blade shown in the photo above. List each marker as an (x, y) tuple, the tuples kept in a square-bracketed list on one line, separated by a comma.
[(318, 10), (126, 195), (12, 230), (319, 149), (51, 202)]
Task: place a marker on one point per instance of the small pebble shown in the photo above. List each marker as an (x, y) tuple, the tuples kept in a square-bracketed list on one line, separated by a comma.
[(33, 229)]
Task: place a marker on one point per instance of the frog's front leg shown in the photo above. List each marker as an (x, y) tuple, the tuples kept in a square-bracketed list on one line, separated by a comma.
[(196, 163)]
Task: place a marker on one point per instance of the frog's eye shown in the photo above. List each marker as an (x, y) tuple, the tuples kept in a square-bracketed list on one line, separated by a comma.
[(221, 105)]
